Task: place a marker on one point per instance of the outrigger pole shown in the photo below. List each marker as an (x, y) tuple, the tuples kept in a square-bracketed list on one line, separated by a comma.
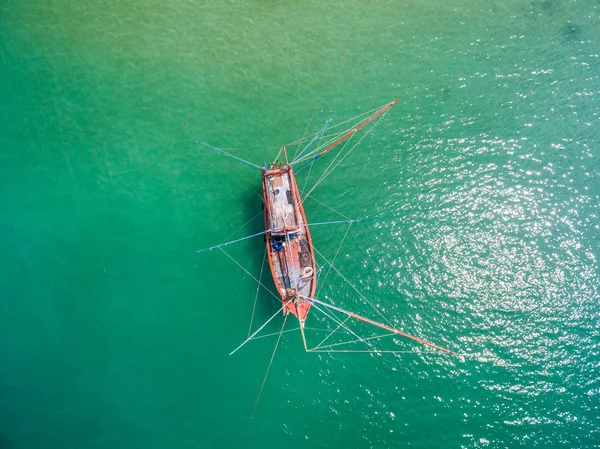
[(347, 135), (375, 323), (225, 153), (357, 220)]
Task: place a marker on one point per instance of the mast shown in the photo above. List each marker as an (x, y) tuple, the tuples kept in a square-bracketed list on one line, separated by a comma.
[(285, 155)]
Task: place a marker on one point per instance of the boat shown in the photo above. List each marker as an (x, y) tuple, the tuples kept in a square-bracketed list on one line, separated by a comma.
[(289, 246)]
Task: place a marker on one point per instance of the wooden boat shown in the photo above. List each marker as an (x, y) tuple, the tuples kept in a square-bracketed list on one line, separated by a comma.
[(288, 243), (289, 246)]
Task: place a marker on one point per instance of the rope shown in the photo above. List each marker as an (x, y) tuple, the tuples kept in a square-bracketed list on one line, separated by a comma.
[(292, 330), (249, 274), (266, 375), (259, 329), (327, 173), (355, 289), (334, 72), (320, 133), (373, 351), (337, 321), (331, 333), (225, 153), (334, 257), (210, 248), (332, 138), (330, 208), (353, 341), (306, 180), (246, 224), (306, 139)]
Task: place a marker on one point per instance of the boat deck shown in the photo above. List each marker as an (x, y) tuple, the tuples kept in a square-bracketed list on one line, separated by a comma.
[(288, 244)]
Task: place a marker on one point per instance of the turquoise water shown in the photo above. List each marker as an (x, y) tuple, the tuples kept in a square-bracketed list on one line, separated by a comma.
[(484, 179)]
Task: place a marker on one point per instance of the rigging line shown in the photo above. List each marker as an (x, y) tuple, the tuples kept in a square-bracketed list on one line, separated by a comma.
[(355, 341), (315, 329), (247, 223), (330, 143), (372, 351), (275, 333), (278, 153), (250, 274), (332, 127), (355, 289), (257, 289), (331, 317), (380, 325), (325, 175), (349, 134), (326, 172), (335, 257), (355, 220), (335, 159), (332, 332), (332, 138), (210, 248), (320, 133), (291, 330), (266, 375), (259, 329), (308, 176), (330, 147), (339, 64), (328, 207), (306, 180)]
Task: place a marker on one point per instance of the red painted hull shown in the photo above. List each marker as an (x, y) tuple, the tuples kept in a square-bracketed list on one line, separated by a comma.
[(289, 245)]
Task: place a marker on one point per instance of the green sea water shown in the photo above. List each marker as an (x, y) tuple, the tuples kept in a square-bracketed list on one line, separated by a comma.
[(484, 178)]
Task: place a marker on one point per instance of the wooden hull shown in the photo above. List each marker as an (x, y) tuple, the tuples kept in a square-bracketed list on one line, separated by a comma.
[(289, 246)]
